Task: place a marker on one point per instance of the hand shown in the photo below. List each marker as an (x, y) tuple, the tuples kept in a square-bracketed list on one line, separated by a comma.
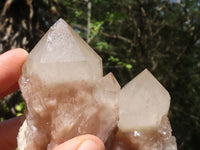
[(10, 70), (84, 142)]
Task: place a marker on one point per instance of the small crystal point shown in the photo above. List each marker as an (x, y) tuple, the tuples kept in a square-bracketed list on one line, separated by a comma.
[(143, 102), (143, 122), (107, 89), (61, 82)]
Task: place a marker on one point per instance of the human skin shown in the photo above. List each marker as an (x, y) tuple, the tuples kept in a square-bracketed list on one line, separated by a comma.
[(10, 70)]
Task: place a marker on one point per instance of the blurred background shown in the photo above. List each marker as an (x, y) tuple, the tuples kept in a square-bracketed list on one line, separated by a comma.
[(129, 35)]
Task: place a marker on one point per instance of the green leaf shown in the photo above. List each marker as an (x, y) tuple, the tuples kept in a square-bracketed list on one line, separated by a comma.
[(96, 27), (128, 66), (19, 114), (78, 13), (20, 107), (102, 45)]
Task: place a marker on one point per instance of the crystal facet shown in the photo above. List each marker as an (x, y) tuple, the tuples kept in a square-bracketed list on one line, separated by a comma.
[(63, 56), (65, 92), (143, 122), (145, 101)]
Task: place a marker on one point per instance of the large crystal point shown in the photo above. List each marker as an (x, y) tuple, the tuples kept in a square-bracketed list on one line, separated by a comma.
[(143, 122), (63, 56), (65, 92)]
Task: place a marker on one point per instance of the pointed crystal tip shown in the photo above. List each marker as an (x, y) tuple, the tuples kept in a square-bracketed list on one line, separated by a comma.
[(143, 102), (62, 55)]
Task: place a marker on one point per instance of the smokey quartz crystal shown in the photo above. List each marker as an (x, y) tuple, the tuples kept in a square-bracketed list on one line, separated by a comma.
[(65, 92), (143, 122)]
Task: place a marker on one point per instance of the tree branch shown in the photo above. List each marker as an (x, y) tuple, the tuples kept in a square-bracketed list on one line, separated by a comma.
[(29, 3), (119, 37), (89, 6), (6, 6)]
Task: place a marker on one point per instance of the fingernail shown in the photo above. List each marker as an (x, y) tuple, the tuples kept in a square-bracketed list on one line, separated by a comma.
[(90, 145)]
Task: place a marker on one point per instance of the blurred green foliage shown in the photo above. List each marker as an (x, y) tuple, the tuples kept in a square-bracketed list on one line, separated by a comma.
[(129, 35), (20, 107)]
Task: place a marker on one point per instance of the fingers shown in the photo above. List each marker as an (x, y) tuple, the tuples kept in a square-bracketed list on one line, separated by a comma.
[(11, 89), (10, 70), (8, 133), (84, 142)]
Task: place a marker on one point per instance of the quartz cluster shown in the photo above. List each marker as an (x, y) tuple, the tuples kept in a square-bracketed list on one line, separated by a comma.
[(66, 95)]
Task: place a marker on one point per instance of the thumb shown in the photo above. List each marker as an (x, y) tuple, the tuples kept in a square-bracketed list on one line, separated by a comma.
[(84, 142)]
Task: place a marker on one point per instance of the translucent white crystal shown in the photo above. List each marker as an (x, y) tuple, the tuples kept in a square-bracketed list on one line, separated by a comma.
[(107, 89), (65, 92), (63, 56), (143, 102), (143, 122)]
